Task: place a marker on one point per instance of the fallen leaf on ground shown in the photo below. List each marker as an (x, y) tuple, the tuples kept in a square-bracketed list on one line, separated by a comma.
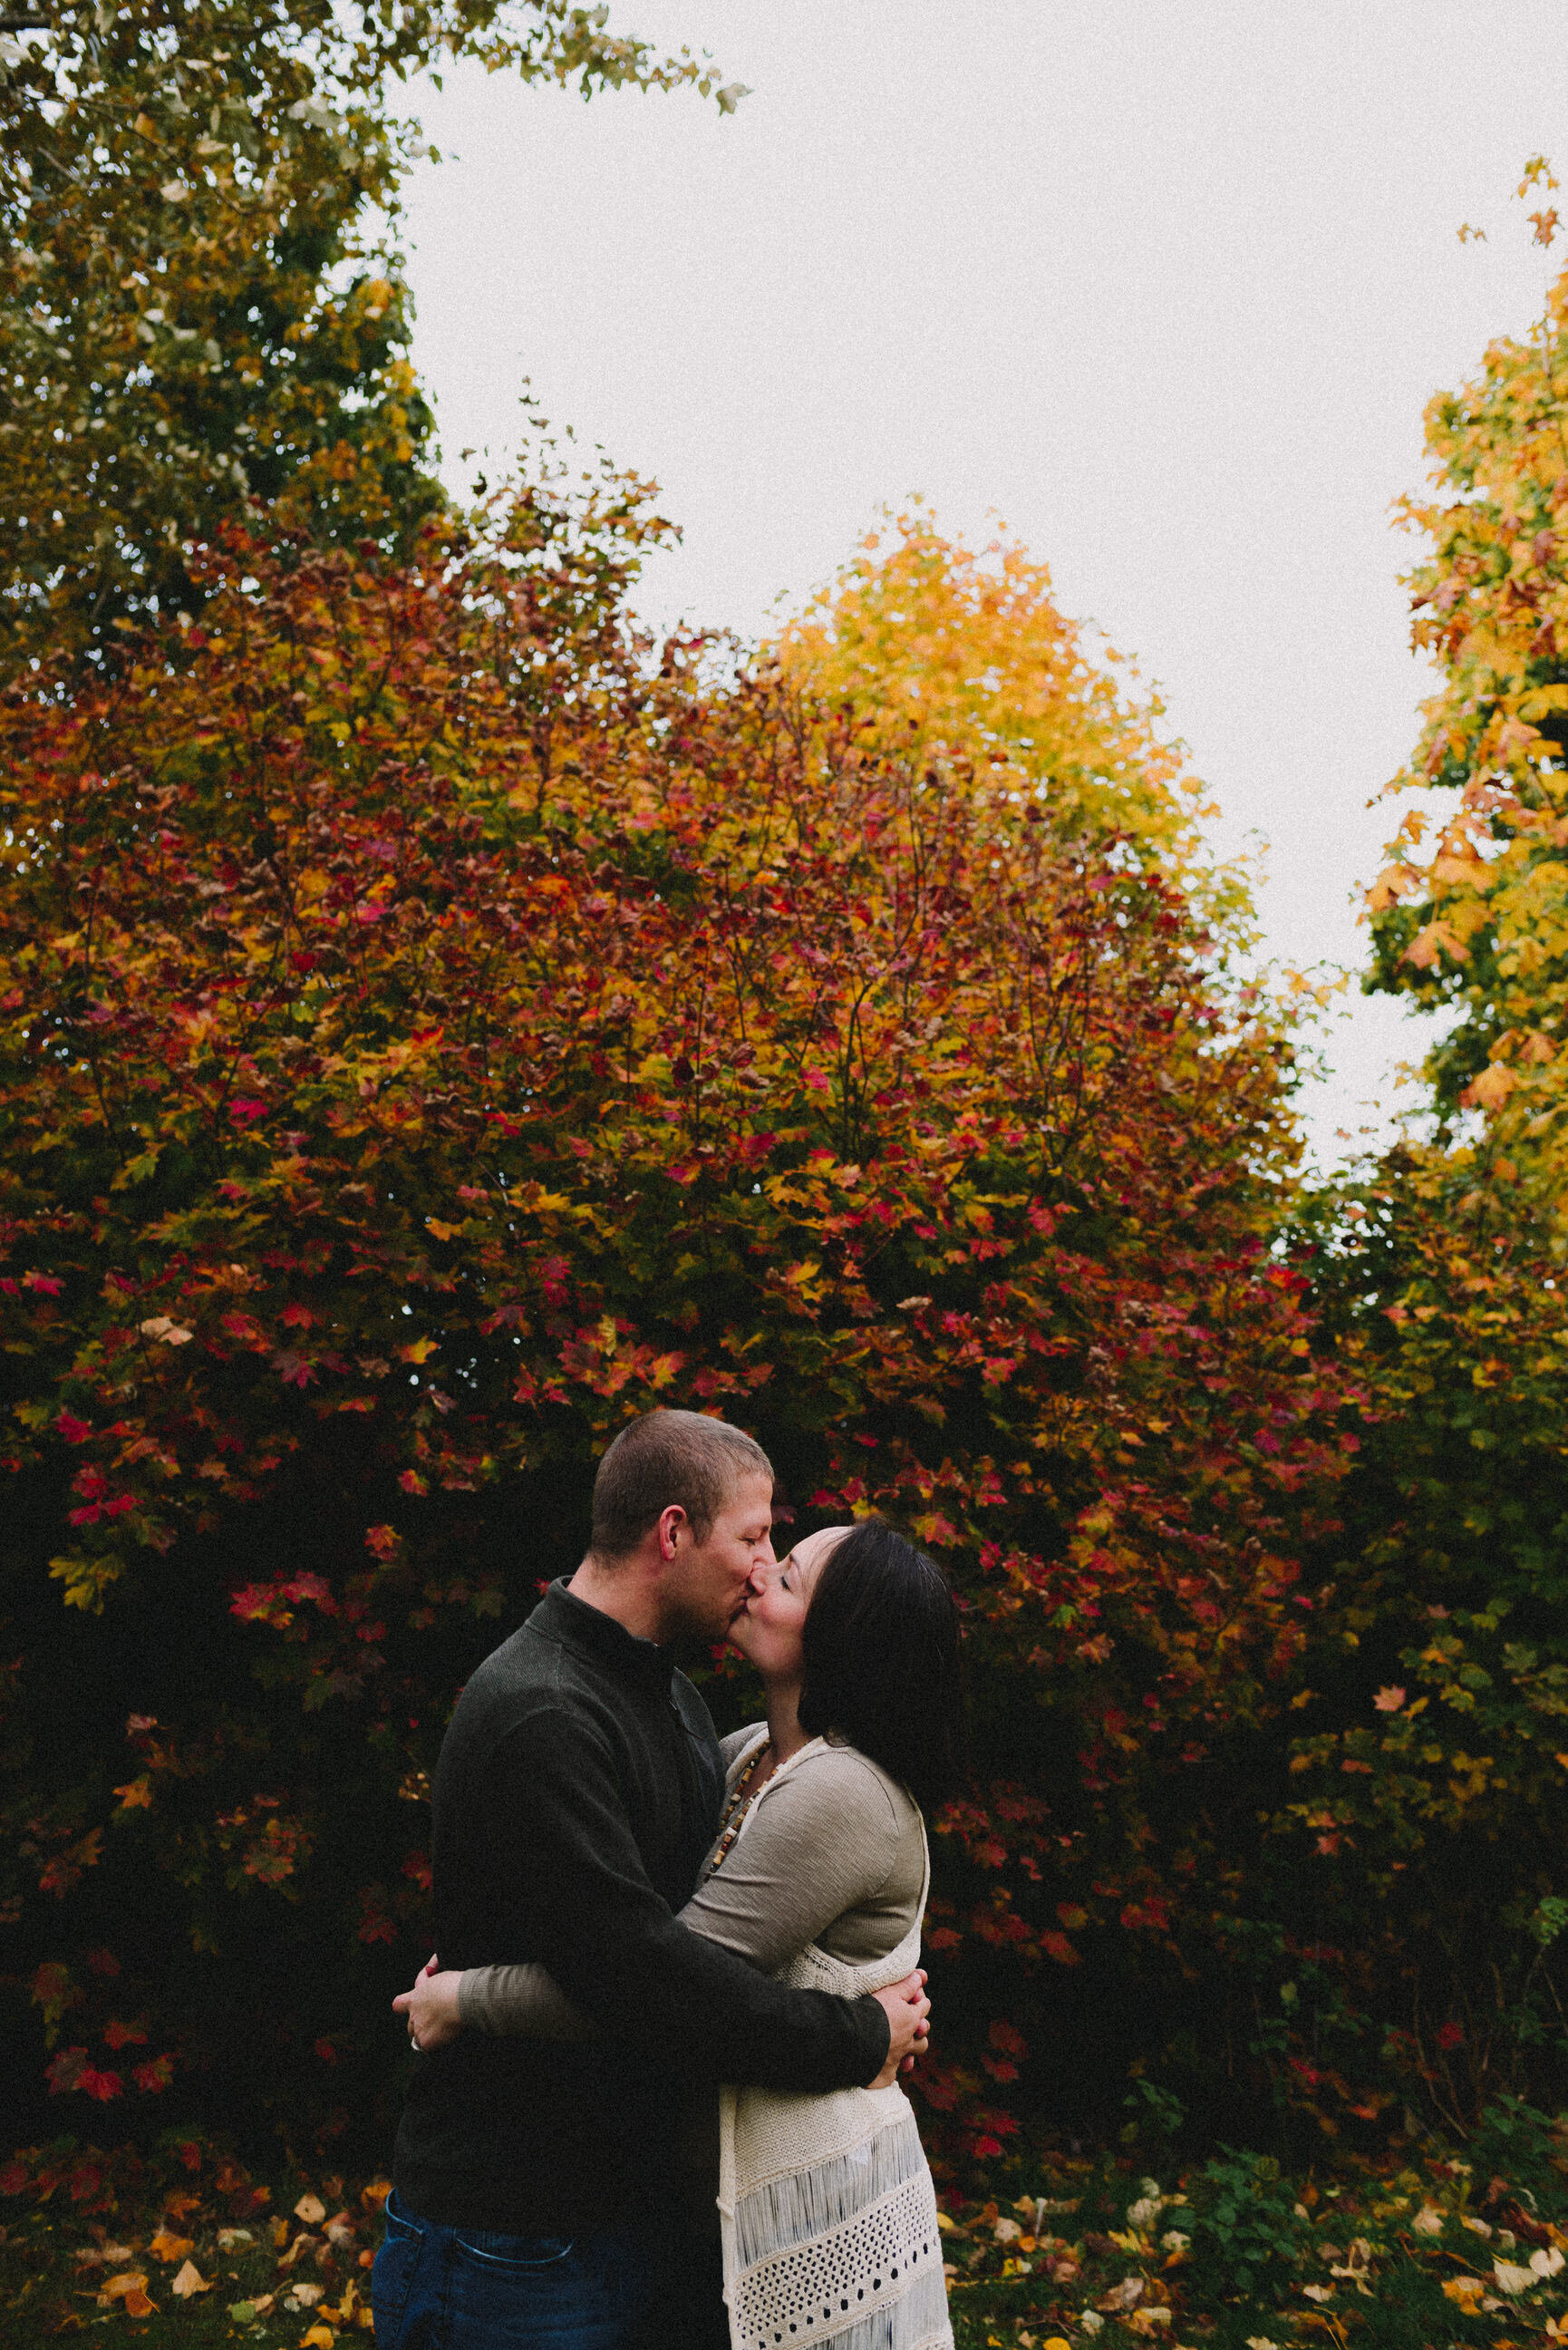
[(374, 2196), (190, 2279), (320, 2337), (128, 2281), (1428, 2221), (1513, 2279), (308, 2295), (229, 2237), (310, 2209), (170, 2248), (1125, 2296)]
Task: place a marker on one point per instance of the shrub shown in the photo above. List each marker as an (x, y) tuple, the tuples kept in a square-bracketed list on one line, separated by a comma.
[(433, 1033)]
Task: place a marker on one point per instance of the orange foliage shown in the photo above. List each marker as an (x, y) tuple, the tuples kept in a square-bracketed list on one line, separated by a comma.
[(404, 1079)]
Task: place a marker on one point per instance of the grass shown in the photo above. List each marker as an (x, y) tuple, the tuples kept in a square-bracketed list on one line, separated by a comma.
[(202, 2257), (187, 2249), (1228, 2255)]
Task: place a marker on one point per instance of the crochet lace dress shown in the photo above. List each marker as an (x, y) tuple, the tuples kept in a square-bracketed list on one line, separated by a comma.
[(828, 2213)]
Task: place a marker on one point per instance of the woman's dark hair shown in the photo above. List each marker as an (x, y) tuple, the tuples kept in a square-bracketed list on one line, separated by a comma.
[(880, 1647)]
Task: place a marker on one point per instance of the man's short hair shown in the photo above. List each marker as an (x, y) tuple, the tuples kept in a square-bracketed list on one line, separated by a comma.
[(664, 1458)]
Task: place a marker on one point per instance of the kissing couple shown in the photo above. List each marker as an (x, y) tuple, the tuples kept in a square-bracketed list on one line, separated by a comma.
[(654, 2100)]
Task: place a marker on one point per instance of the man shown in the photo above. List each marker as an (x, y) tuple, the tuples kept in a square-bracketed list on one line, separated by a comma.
[(540, 2185)]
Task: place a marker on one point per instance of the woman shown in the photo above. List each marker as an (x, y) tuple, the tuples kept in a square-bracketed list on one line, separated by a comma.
[(819, 1875)]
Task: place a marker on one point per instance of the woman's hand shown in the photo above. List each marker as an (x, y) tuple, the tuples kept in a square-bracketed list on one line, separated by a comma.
[(431, 2007)]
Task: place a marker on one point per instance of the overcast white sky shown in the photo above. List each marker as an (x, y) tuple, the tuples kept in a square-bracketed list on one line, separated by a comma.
[(1165, 284)]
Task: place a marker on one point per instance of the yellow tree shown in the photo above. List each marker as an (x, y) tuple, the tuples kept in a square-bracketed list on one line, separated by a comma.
[(951, 655), (1471, 913)]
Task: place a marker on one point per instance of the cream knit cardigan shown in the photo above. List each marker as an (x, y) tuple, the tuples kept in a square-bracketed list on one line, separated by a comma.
[(828, 2214)]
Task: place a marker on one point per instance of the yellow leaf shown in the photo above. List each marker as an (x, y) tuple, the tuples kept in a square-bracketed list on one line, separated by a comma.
[(166, 2246), (320, 2337), (419, 1352), (128, 2281), (1490, 1089), (443, 1231)]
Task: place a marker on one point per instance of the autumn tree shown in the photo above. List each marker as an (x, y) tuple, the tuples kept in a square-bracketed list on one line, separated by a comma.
[(946, 652), (202, 304), (1430, 1802), (1469, 915), (401, 1084)]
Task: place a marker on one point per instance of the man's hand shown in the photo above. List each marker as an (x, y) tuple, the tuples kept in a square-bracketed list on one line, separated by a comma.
[(906, 2008), (431, 2007)]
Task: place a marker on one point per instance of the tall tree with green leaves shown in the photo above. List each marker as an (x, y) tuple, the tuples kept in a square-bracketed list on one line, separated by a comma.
[(202, 304)]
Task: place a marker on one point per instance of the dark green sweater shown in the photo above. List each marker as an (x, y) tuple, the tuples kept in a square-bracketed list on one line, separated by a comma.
[(577, 1796)]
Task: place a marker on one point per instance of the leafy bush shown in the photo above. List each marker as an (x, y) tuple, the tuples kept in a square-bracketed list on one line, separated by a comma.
[(1247, 2224), (432, 1032)]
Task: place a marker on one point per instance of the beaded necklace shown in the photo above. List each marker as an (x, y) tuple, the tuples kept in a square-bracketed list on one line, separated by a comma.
[(740, 1802)]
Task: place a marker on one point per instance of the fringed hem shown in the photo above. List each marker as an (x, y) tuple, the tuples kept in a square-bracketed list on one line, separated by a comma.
[(798, 2204), (872, 2278)]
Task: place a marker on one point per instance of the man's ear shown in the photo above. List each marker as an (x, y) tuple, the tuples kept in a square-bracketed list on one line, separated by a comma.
[(671, 1522)]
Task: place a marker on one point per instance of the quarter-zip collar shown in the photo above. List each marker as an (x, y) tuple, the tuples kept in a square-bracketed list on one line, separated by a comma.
[(589, 1633)]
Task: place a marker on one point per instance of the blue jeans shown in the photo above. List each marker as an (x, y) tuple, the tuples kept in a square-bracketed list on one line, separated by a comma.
[(436, 2288)]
